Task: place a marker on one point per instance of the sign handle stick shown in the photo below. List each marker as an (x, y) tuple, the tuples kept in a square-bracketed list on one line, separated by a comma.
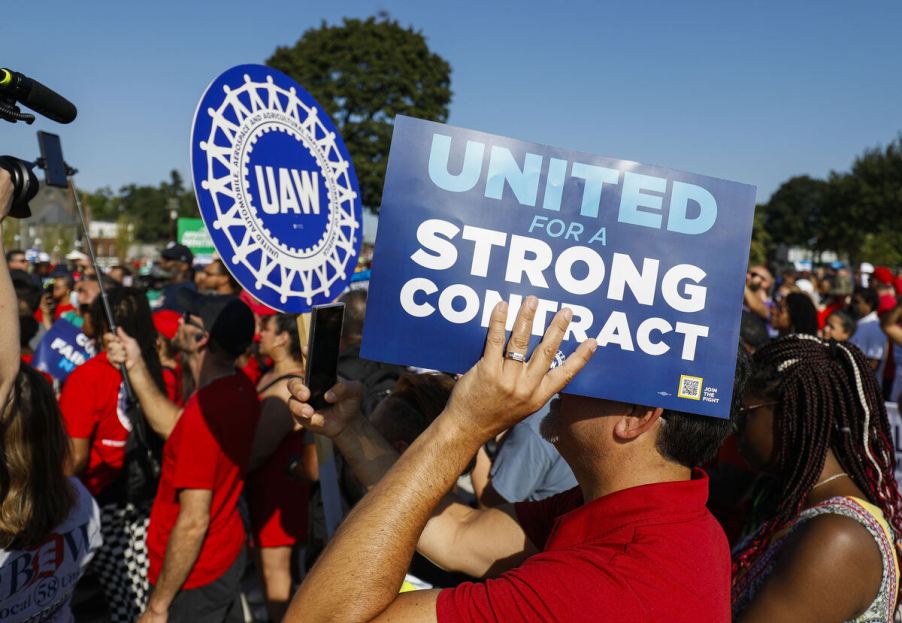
[(325, 455), (108, 312)]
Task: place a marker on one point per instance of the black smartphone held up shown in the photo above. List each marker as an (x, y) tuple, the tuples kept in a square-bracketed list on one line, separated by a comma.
[(52, 154), (322, 351)]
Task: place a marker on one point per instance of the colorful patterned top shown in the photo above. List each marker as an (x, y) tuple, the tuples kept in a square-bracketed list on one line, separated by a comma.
[(871, 517)]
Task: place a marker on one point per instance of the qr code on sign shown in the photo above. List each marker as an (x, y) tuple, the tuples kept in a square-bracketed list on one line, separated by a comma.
[(690, 387)]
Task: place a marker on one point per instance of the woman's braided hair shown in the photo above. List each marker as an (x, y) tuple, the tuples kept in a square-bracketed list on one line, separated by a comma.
[(826, 398)]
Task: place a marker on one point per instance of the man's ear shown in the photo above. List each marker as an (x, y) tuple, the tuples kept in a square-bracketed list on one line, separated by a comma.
[(282, 339), (202, 339), (640, 420)]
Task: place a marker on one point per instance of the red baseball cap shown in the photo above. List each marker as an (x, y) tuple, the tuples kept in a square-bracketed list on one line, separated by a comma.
[(167, 322), (884, 275), (256, 306)]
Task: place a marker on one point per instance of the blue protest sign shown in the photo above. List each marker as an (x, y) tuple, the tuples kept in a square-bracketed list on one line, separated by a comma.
[(276, 188), (62, 349), (651, 261)]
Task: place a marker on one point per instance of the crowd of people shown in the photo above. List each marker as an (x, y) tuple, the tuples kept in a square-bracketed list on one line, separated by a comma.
[(181, 459)]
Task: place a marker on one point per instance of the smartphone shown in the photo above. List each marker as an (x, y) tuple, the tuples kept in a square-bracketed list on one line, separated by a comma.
[(322, 351), (52, 153)]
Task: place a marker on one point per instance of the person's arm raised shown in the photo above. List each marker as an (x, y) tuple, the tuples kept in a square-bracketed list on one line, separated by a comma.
[(367, 453), (478, 542), (160, 412), (10, 353), (371, 551)]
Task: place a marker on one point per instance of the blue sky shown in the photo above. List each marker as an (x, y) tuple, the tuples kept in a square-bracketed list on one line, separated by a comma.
[(755, 92)]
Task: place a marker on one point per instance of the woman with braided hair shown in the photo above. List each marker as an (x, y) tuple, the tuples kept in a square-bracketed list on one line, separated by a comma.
[(826, 550)]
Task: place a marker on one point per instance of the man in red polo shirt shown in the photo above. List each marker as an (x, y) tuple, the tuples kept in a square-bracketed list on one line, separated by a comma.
[(196, 538), (634, 542)]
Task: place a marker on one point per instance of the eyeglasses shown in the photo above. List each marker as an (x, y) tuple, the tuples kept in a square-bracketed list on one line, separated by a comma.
[(186, 319), (746, 409)]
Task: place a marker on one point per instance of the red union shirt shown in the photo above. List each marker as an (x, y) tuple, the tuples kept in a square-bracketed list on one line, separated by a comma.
[(649, 553), (93, 406), (209, 448)]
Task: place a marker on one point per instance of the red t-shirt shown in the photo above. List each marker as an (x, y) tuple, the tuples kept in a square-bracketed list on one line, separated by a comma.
[(834, 305), (93, 406), (276, 502), (209, 448), (253, 370), (172, 378), (59, 311), (649, 553)]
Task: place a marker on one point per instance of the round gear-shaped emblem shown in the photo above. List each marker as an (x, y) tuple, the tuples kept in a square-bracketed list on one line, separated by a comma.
[(276, 188)]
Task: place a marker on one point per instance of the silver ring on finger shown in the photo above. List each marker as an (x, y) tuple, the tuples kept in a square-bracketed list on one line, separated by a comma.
[(515, 356)]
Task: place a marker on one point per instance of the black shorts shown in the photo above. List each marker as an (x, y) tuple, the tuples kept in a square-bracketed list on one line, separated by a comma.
[(217, 602)]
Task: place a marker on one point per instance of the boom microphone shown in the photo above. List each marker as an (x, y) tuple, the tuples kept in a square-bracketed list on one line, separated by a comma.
[(36, 96)]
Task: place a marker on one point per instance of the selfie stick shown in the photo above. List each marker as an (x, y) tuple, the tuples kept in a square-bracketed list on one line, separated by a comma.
[(108, 312), (325, 455)]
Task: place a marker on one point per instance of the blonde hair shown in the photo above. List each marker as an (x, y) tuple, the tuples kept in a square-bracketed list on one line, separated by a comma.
[(35, 495)]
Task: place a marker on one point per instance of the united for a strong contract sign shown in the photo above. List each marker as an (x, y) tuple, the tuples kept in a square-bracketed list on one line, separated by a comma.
[(276, 188), (651, 261)]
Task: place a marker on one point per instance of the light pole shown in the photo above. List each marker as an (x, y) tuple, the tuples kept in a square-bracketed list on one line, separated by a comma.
[(173, 217)]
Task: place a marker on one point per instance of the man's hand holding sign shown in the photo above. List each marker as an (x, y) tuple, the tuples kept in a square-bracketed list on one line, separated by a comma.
[(644, 262), (649, 260), (496, 393)]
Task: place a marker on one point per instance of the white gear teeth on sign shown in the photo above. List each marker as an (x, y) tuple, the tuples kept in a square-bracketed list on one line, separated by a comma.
[(304, 274)]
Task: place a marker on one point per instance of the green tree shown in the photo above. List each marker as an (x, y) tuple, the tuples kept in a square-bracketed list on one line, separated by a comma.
[(853, 213), (101, 204), (862, 207), (364, 73), (148, 207), (761, 241), (793, 215)]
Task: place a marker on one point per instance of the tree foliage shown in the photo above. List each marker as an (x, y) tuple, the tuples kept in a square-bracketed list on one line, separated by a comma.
[(761, 240), (795, 211), (145, 207), (364, 73), (853, 213)]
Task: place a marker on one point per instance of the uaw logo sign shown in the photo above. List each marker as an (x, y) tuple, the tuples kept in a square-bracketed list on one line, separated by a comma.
[(276, 188)]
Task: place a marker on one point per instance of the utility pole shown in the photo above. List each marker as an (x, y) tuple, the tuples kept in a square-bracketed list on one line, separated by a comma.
[(173, 205)]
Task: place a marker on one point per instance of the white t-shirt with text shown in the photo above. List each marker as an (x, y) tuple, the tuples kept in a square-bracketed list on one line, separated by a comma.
[(36, 584)]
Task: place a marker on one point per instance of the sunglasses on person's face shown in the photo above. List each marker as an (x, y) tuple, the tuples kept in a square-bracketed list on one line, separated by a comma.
[(746, 409), (188, 320)]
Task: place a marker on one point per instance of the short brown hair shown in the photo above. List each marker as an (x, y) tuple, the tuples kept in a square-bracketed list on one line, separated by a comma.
[(415, 402)]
